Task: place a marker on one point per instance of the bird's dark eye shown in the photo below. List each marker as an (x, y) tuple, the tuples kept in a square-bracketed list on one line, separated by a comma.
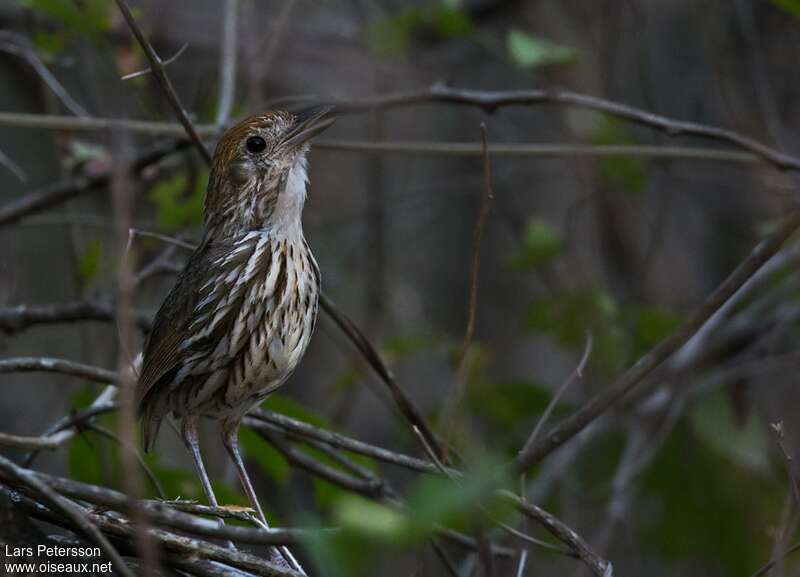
[(256, 144)]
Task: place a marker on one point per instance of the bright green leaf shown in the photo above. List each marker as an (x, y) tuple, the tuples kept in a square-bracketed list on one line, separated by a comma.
[(528, 51), (368, 518), (541, 243)]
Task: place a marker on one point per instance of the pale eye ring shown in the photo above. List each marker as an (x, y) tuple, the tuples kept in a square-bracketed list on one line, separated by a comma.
[(256, 144)]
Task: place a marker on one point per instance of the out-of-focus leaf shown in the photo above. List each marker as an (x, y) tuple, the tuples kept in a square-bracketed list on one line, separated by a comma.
[(625, 173), (400, 347), (541, 242), (89, 264), (375, 520), (714, 422), (391, 36), (85, 18), (173, 211), (47, 43), (706, 507), (508, 403), (529, 51), (790, 6), (268, 458), (652, 324), (291, 408), (83, 460)]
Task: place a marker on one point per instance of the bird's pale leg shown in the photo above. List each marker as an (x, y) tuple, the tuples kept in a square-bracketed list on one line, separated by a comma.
[(230, 438), (190, 438), (192, 442)]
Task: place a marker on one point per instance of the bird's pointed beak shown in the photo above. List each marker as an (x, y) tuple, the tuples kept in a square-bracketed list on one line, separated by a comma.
[(307, 124)]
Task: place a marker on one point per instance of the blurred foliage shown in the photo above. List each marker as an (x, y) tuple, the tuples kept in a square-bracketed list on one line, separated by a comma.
[(392, 36), (790, 6), (701, 515), (177, 207), (90, 260), (620, 334), (541, 243), (84, 19), (624, 173), (530, 52)]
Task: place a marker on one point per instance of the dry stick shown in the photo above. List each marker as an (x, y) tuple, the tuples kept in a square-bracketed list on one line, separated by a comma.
[(598, 405), (490, 101), (166, 63), (59, 192), (168, 515), (158, 71), (21, 317), (487, 198), (74, 513), (768, 567), (525, 150), (576, 374), (51, 365), (407, 407), (790, 466), (13, 167)]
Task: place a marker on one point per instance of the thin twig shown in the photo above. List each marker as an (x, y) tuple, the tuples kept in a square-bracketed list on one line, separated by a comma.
[(148, 70), (19, 46), (487, 197), (158, 71), (599, 404), (13, 167), (21, 317), (51, 365), (787, 458), (576, 374), (69, 509), (57, 193)]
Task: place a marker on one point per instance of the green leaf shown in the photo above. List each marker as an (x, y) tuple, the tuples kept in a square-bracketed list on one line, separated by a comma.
[(374, 520), (528, 51), (89, 264), (271, 462), (83, 460), (86, 18), (790, 6), (625, 173), (541, 243), (172, 210), (390, 37), (706, 509)]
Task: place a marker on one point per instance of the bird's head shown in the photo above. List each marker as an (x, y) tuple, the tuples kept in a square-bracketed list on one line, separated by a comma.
[(258, 177)]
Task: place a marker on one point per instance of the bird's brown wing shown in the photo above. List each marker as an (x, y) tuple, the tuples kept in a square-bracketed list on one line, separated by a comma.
[(161, 352)]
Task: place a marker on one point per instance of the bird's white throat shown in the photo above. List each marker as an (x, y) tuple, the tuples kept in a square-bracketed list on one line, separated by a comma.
[(286, 220)]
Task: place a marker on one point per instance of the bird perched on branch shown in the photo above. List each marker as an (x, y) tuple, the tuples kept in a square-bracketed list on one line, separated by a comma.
[(241, 314)]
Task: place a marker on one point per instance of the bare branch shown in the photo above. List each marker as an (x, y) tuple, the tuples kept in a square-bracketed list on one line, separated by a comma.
[(166, 63), (158, 71), (51, 365), (791, 469), (59, 192), (576, 374), (70, 510), (21, 317), (13, 167), (598, 405)]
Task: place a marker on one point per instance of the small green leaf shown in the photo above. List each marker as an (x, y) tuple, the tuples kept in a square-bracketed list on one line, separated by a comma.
[(528, 51), (541, 243), (89, 264), (173, 211)]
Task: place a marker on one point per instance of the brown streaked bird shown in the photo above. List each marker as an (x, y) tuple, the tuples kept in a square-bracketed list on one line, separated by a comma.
[(241, 314)]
